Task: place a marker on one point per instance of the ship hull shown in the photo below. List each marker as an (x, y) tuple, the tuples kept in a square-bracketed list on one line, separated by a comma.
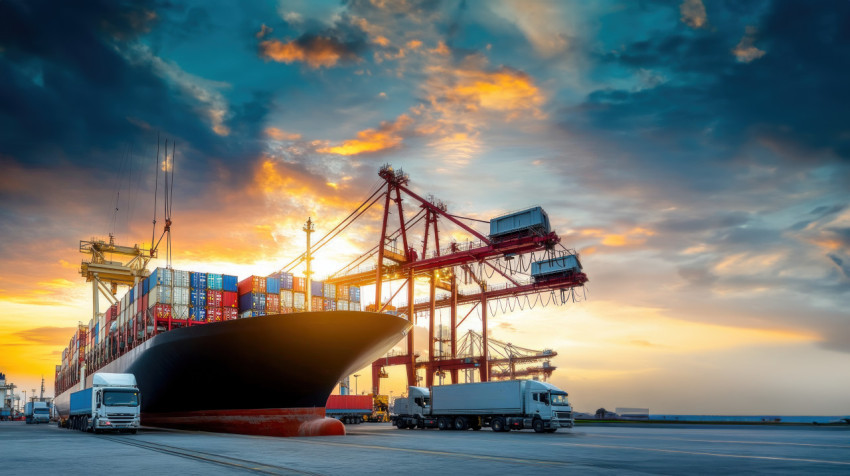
[(267, 375)]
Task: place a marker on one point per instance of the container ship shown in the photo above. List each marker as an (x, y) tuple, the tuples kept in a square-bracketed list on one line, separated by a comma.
[(216, 354)]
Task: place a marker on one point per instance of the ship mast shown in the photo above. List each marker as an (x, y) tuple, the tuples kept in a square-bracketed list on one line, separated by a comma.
[(308, 228)]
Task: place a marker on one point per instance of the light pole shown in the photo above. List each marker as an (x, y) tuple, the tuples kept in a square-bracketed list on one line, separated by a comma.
[(24, 402), (355, 384)]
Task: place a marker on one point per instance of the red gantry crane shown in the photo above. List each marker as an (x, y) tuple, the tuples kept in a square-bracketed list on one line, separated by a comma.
[(513, 247)]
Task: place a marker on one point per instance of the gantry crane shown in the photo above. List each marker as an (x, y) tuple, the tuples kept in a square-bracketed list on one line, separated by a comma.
[(441, 267)]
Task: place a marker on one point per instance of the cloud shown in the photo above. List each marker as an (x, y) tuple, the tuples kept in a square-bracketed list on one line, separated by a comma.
[(279, 134), (693, 13), (316, 51), (46, 335), (542, 22), (389, 135), (745, 51)]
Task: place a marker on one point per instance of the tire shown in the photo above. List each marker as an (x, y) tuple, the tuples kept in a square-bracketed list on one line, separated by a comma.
[(461, 424), (538, 426), (133, 432), (442, 424), (476, 427), (498, 424), (551, 430), (400, 424)]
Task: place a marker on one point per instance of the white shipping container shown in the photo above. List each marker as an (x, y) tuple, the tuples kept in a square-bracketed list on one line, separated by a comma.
[(355, 306), (160, 295), (181, 278), (298, 300), (180, 311), (180, 296), (342, 305), (286, 298)]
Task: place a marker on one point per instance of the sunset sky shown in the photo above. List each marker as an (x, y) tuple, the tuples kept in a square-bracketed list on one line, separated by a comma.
[(696, 155)]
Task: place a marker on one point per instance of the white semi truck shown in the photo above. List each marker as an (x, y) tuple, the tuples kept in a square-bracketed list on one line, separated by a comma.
[(503, 406), (37, 412), (111, 403)]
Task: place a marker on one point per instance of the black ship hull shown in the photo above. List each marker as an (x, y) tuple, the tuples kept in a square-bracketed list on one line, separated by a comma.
[(263, 375)]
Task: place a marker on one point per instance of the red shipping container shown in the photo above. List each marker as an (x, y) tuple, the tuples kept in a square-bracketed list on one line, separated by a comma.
[(318, 304), (299, 285), (162, 311), (229, 313), (229, 299), (272, 303), (342, 292), (214, 314), (252, 284), (349, 402), (214, 298)]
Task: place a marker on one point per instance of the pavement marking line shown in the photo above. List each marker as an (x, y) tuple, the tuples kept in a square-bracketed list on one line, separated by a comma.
[(207, 457), (728, 441), (504, 459), (700, 453)]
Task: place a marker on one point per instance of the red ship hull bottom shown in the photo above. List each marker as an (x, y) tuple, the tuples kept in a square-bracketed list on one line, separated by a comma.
[(267, 421)]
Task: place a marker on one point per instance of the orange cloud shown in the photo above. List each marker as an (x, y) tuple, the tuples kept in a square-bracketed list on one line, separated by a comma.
[(264, 31), (381, 40), (635, 236), (693, 13), (506, 90), (414, 44), (317, 51), (279, 134), (387, 136), (441, 49)]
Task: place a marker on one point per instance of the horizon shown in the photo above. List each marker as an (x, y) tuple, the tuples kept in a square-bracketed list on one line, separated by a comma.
[(695, 154)]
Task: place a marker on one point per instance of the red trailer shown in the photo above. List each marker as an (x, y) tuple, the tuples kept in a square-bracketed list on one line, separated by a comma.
[(349, 408)]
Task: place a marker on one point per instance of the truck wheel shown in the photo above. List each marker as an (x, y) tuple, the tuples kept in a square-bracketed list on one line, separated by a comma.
[(538, 426), (442, 424), (461, 424), (400, 424), (551, 430), (498, 424)]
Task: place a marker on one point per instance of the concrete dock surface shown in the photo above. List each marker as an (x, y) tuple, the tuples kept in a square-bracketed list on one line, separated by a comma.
[(383, 449)]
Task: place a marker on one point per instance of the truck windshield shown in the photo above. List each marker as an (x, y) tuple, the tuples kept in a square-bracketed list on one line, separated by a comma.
[(121, 398), (42, 410), (559, 399)]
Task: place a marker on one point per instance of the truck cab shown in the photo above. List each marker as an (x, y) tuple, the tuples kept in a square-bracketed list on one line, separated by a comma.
[(548, 402)]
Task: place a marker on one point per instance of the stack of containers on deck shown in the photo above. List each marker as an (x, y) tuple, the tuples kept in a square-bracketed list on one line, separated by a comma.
[(353, 298), (180, 295), (316, 289), (159, 297), (299, 293), (215, 297), (229, 297), (252, 297), (329, 293), (272, 295), (286, 298), (342, 297), (198, 297)]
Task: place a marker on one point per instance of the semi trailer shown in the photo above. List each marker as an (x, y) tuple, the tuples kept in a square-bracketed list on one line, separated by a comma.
[(111, 404), (502, 406)]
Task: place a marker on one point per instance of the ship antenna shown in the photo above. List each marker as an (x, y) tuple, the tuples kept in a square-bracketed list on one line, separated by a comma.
[(155, 193), (308, 228)]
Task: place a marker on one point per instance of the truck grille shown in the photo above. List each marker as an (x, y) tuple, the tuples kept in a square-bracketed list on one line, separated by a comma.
[(120, 417), (563, 415)]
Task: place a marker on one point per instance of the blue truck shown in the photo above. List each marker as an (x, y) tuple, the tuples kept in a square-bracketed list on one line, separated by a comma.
[(111, 404), (37, 412)]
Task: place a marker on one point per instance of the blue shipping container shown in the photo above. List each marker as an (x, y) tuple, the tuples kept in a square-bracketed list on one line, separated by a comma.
[(132, 294), (81, 402), (146, 286), (198, 280), (273, 285), (198, 314), (316, 288), (354, 294), (229, 283), (531, 220), (198, 297), (252, 302), (161, 276), (214, 281), (285, 280), (562, 265)]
